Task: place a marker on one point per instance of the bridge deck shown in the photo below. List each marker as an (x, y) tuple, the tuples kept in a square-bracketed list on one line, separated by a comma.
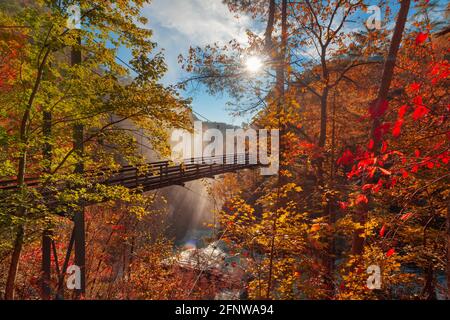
[(153, 175)]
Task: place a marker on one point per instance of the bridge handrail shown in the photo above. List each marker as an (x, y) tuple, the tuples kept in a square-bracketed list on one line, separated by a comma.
[(168, 165)]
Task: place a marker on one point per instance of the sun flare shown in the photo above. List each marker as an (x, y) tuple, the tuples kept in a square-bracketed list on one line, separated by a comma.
[(253, 64)]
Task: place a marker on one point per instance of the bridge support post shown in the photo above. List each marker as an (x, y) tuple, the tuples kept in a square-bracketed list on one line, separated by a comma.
[(80, 250)]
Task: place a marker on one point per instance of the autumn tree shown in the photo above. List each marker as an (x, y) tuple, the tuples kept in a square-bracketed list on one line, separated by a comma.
[(52, 95), (335, 96)]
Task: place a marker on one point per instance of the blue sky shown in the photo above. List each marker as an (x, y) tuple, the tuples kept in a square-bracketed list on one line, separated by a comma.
[(179, 24)]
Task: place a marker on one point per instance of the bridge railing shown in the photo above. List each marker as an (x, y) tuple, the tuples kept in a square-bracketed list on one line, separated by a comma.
[(151, 172)]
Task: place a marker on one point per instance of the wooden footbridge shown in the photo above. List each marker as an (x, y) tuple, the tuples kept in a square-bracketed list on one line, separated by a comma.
[(156, 175), (146, 177)]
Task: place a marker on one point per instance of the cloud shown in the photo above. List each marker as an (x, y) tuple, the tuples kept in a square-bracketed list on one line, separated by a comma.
[(203, 21), (179, 24)]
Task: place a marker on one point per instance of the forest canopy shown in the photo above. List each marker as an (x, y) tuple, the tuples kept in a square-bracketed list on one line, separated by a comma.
[(360, 207)]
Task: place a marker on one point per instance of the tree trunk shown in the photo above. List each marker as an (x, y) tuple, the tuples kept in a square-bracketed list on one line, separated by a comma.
[(280, 79), (78, 219), (330, 211), (14, 265), (269, 28), (46, 235), (11, 280), (18, 242), (429, 290), (388, 72), (448, 251), (323, 117)]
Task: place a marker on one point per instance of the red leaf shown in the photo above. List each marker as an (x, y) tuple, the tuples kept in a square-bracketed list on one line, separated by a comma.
[(361, 199), (443, 74), (371, 143), (378, 186), (417, 153), (393, 182), (118, 227), (347, 158), (430, 165), (343, 205), (402, 110), (404, 173), (396, 130), (406, 216), (414, 86), (381, 130), (419, 112), (372, 172), (421, 37), (367, 187), (438, 145), (384, 171), (384, 146), (383, 230), (418, 101), (376, 110), (390, 252)]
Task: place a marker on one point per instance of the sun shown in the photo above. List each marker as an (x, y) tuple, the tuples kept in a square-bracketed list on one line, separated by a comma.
[(253, 64)]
